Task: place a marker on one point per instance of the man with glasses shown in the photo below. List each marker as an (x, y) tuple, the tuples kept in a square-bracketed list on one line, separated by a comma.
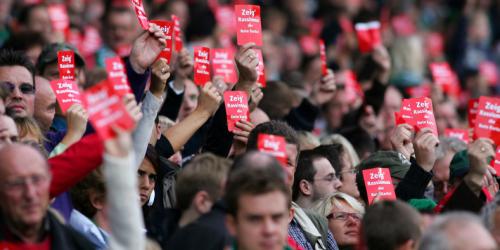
[(17, 77), (315, 178), (25, 222)]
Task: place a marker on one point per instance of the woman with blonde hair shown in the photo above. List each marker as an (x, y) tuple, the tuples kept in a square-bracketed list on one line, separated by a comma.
[(344, 214)]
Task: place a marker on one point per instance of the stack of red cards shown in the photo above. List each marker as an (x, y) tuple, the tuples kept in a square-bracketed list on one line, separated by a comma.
[(488, 119), (105, 108), (273, 145), (418, 113), (66, 92), (378, 183), (236, 103), (66, 64), (368, 36)]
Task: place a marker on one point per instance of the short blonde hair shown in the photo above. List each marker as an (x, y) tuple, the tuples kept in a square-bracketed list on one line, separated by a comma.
[(307, 140), (28, 126), (348, 148), (324, 206)]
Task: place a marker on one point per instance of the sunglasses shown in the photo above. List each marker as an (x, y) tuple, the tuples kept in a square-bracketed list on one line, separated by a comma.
[(25, 88)]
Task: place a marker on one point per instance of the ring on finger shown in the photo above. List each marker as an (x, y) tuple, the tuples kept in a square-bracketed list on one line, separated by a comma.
[(483, 149)]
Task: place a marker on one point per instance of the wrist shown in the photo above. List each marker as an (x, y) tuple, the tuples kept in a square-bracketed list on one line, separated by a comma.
[(136, 67), (202, 113)]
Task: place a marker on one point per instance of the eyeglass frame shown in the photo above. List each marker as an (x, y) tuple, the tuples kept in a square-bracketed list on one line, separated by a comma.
[(354, 216), (20, 184), (9, 87)]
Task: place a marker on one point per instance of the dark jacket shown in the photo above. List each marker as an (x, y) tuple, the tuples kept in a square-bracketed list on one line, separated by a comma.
[(62, 237), (209, 232)]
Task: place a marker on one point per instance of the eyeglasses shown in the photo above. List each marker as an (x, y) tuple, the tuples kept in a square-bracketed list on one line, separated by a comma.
[(329, 178), (344, 215), (25, 88), (18, 184)]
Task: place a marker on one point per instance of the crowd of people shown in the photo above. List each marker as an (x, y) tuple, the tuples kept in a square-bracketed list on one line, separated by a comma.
[(179, 179)]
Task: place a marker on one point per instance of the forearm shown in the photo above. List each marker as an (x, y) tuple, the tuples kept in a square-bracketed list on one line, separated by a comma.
[(244, 85), (126, 221), (180, 133), (142, 133)]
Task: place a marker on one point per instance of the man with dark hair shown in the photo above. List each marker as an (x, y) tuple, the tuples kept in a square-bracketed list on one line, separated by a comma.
[(308, 230), (258, 202), (17, 76), (315, 178), (47, 67), (390, 225)]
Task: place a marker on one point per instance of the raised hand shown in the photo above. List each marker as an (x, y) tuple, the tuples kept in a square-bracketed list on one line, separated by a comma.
[(184, 65), (240, 138), (255, 98), (76, 118), (160, 74), (401, 140), (209, 100), (132, 108), (120, 145), (479, 152), (425, 144), (246, 62), (146, 48), (324, 89)]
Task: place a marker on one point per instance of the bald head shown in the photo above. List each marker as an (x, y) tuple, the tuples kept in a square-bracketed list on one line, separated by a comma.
[(25, 179), (45, 103)]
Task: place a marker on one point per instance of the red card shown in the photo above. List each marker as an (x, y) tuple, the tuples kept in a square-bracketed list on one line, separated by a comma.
[(422, 90), (352, 89), (472, 111), (58, 17), (488, 119), (177, 33), (225, 17), (141, 14), (368, 36), (322, 55), (66, 64), (445, 77), (261, 69), (309, 44), (168, 28), (462, 134), (274, 145), (248, 24), (105, 109), (117, 77), (223, 64), (378, 182), (91, 41), (423, 114), (236, 103), (496, 161), (403, 25), (201, 65), (489, 71), (66, 92), (434, 44)]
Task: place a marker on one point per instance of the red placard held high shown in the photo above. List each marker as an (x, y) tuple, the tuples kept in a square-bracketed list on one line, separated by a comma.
[(105, 109), (248, 24), (488, 119), (273, 145), (117, 76), (261, 69), (461, 134), (141, 14), (168, 28), (66, 92), (177, 33), (368, 35), (322, 55), (378, 183), (236, 103), (66, 64), (201, 65), (223, 64)]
